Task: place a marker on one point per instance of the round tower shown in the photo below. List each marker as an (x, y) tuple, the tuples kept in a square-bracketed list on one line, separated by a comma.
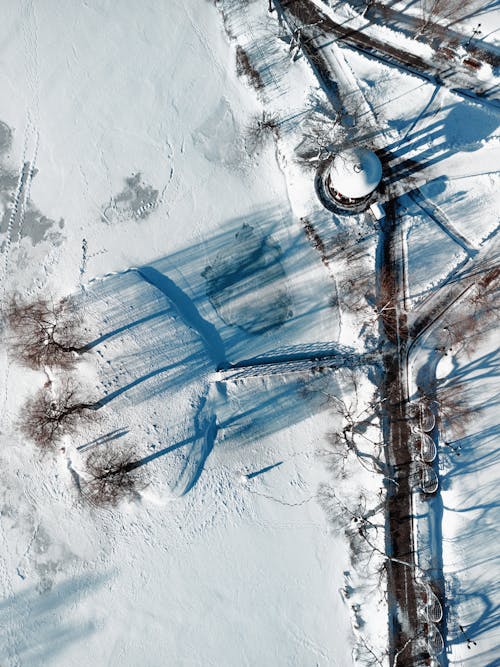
[(353, 177)]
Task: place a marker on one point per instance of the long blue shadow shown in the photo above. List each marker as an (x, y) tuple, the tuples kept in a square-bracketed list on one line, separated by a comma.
[(162, 452), (188, 313), (263, 470), (125, 327)]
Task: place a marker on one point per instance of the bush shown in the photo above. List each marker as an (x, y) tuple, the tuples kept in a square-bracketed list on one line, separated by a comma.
[(245, 67)]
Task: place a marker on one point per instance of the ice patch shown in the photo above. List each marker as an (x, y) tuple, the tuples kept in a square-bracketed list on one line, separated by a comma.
[(218, 137), (137, 200)]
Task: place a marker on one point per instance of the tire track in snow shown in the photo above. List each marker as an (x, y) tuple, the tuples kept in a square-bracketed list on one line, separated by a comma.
[(27, 186), (20, 199), (12, 218)]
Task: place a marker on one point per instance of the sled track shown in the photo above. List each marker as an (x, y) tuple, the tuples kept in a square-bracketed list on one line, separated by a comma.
[(20, 201)]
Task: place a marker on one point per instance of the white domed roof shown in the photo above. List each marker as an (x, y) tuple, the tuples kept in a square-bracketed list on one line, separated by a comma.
[(355, 172)]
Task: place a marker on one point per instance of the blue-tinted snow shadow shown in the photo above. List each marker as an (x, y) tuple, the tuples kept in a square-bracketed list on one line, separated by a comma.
[(462, 129), (36, 627), (105, 439), (469, 476), (260, 407), (268, 54), (262, 471), (227, 298), (243, 412)]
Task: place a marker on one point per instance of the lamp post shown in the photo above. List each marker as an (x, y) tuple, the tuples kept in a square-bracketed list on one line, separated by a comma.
[(475, 32)]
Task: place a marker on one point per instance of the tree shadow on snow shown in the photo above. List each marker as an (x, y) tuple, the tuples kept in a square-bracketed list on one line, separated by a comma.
[(236, 295), (244, 293), (474, 501), (463, 129), (37, 627)]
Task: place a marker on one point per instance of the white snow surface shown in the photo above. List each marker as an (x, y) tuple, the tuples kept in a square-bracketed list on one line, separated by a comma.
[(124, 149), (129, 178), (470, 510)]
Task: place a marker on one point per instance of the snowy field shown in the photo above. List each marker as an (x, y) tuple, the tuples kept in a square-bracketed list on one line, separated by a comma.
[(122, 143), (132, 178), (470, 516)]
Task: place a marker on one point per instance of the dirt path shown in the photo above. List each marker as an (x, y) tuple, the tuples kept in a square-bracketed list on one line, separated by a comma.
[(406, 642), (404, 623), (314, 23)]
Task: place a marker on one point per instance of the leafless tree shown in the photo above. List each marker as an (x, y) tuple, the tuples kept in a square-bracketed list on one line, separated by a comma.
[(454, 409), (357, 519), (484, 294), (387, 308), (44, 333), (433, 12), (465, 326), (353, 437), (50, 414), (322, 135), (356, 290), (114, 475), (260, 129), (315, 239)]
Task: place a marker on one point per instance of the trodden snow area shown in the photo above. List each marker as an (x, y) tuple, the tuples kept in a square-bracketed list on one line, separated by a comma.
[(244, 423)]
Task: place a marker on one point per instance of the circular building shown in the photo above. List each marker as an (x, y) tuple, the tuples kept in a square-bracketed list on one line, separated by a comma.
[(353, 177)]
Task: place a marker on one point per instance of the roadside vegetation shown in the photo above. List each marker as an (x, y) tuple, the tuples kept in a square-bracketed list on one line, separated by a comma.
[(49, 335)]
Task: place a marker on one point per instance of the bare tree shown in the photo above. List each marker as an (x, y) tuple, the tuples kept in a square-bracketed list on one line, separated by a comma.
[(464, 327), (352, 438), (357, 518), (260, 129), (356, 290), (43, 333), (484, 294), (48, 415), (114, 475), (323, 134), (387, 307), (455, 411), (432, 12)]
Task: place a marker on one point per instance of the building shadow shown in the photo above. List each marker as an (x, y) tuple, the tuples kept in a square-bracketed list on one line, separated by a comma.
[(459, 127)]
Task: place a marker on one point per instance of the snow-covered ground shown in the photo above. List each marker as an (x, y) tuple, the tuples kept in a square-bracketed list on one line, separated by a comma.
[(127, 178), (449, 210), (470, 512), (131, 178)]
